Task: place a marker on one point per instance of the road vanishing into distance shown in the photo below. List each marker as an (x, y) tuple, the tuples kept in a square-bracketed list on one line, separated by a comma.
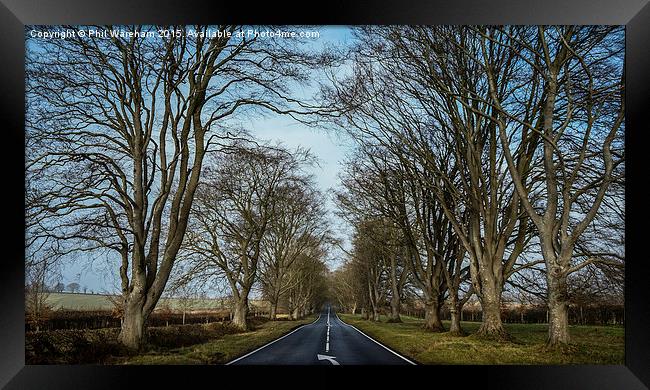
[(329, 341)]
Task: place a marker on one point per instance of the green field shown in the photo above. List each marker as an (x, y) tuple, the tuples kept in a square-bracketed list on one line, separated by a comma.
[(589, 345), (70, 301)]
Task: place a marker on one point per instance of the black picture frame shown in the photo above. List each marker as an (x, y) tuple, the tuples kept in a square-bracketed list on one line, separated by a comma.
[(15, 14)]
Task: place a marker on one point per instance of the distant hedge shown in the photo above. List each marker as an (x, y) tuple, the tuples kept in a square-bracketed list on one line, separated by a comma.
[(578, 315), (77, 319)]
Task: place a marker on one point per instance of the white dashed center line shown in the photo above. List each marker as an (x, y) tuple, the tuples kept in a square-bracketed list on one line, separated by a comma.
[(327, 342)]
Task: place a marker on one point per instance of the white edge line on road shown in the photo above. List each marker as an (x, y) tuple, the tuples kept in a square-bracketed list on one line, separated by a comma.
[(377, 342), (269, 343)]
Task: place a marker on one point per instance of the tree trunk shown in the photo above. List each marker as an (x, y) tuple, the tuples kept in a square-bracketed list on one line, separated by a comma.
[(455, 313), (454, 328), (432, 316), (491, 325), (373, 302), (132, 333), (395, 287), (241, 312), (394, 309), (558, 304), (296, 313), (274, 310), (354, 308), (375, 311), (290, 308), (364, 313), (582, 318)]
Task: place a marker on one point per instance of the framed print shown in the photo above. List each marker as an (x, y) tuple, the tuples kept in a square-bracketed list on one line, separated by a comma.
[(220, 189)]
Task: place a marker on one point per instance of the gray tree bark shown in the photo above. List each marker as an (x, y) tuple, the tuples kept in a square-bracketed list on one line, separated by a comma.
[(558, 306), (132, 332), (296, 313), (432, 320), (241, 312), (454, 327), (396, 291), (273, 311), (394, 309), (491, 325)]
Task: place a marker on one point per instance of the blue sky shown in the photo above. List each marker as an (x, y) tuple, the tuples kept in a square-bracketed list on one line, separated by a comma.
[(100, 274)]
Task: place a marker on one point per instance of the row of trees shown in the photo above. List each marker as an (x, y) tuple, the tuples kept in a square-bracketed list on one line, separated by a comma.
[(117, 131), (257, 221), (485, 156), (71, 287)]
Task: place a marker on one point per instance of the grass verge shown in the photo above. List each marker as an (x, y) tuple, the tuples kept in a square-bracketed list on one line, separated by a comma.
[(221, 350), (589, 344)]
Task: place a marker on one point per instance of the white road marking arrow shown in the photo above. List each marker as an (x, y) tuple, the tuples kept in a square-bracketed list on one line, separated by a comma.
[(330, 358)]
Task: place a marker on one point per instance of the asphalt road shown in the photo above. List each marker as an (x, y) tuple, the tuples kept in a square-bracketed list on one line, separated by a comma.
[(329, 341)]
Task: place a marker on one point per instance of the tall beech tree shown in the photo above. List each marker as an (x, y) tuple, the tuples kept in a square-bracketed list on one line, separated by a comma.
[(240, 196), (577, 85), (117, 131), (371, 259), (398, 272)]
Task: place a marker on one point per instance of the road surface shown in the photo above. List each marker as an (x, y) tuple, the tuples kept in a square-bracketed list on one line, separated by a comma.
[(328, 341)]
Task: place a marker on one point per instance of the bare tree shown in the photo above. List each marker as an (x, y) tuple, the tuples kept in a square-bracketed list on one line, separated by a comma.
[(579, 94), (307, 279), (117, 130), (398, 272), (37, 277), (232, 214), (371, 260), (298, 225), (416, 93), (428, 247), (347, 288)]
